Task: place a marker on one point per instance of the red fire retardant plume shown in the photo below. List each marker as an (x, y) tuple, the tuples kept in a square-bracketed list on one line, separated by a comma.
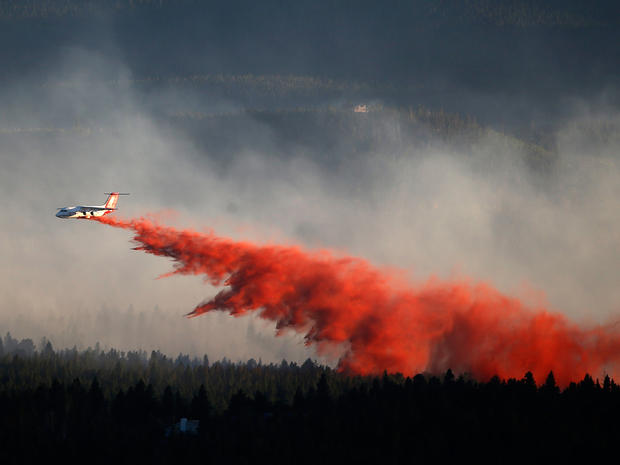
[(383, 321)]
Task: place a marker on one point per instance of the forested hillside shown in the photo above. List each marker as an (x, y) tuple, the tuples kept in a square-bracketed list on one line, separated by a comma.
[(523, 13), (495, 60), (329, 135), (103, 406)]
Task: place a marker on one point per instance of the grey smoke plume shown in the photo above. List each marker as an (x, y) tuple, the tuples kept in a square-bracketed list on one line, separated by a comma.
[(481, 212)]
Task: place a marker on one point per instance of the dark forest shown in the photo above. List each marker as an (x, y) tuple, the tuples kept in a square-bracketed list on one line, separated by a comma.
[(123, 407)]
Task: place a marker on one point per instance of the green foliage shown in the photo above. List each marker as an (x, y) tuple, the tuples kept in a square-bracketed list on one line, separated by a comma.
[(22, 368)]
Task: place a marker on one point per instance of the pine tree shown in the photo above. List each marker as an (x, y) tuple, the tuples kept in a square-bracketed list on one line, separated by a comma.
[(201, 408), (550, 387)]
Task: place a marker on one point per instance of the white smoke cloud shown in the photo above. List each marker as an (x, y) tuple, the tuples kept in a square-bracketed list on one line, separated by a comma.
[(480, 213)]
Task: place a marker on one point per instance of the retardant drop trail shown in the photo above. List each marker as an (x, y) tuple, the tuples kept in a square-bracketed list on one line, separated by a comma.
[(384, 322)]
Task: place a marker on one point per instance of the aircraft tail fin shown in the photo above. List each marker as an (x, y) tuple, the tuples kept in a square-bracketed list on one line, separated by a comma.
[(113, 199)]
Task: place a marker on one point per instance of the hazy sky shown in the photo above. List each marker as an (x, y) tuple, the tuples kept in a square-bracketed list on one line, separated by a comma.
[(479, 216)]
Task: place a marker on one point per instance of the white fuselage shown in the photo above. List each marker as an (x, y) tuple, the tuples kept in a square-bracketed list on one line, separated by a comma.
[(82, 212), (91, 211)]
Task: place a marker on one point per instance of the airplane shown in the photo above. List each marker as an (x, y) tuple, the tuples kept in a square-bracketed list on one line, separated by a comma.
[(91, 211)]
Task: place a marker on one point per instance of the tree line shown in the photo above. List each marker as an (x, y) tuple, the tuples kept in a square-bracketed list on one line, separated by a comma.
[(122, 406)]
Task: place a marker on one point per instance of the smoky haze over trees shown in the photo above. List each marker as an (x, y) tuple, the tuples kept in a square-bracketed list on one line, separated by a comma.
[(504, 61), (487, 147)]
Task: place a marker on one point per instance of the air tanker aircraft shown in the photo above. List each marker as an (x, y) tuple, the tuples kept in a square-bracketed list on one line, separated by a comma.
[(89, 212)]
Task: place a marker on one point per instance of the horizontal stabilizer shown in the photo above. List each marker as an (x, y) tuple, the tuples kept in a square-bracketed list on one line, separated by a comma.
[(113, 199)]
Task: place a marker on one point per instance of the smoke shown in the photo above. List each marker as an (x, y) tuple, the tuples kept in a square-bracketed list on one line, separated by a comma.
[(381, 321), (549, 236)]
